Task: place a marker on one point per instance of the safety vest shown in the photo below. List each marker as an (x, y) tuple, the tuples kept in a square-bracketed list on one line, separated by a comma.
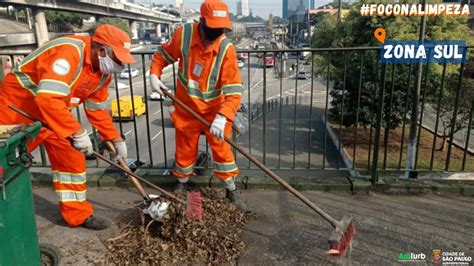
[(50, 86), (55, 86), (211, 92)]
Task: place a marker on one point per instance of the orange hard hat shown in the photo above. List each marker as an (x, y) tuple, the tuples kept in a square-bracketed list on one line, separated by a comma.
[(216, 14), (117, 39)]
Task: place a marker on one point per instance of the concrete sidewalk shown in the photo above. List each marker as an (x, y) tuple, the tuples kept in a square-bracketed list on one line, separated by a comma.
[(287, 232)]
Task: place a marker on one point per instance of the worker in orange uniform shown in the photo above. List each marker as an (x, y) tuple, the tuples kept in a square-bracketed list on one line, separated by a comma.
[(52, 80), (209, 83)]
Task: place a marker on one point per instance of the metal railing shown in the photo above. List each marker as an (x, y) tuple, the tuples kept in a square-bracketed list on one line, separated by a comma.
[(348, 112)]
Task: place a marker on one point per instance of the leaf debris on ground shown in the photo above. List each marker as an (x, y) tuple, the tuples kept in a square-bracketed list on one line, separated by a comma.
[(215, 239)]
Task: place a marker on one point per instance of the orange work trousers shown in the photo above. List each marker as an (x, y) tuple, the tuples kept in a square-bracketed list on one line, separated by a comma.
[(67, 164), (188, 130)]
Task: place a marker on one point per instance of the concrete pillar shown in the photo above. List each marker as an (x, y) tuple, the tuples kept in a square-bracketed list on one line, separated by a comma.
[(134, 29), (158, 30), (29, 18), (41, 28)]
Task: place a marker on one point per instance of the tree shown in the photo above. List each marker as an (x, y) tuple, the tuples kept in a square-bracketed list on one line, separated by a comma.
[(448, 100), (251, 18), (344, 5), (118, 22), (59, 21), (278, 20), (358, 30), (325, 28)]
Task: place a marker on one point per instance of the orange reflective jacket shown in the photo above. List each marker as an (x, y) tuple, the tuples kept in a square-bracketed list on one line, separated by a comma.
[(208, 79), (57, 77)]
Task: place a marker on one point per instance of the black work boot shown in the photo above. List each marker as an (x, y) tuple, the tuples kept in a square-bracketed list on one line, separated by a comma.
[(96, 223), (234, 198), (181, 187)]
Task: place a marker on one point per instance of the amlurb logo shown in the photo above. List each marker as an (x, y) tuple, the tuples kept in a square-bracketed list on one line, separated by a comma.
[(436, 257), (411, 257)]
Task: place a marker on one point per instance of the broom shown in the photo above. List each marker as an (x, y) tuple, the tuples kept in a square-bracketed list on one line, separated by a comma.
[(194, 210), (344, 230)]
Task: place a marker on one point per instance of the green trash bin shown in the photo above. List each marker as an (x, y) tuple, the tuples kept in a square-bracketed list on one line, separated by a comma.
[(18, 237)]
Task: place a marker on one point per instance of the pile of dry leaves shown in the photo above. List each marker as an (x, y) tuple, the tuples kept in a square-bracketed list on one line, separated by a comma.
[(6, 131), (215, 239)]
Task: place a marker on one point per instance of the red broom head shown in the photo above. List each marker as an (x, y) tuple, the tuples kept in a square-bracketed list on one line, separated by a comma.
[(194, 209), (341, 238)]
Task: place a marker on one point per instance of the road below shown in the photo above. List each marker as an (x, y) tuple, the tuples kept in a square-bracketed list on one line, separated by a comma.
[(150, 137)]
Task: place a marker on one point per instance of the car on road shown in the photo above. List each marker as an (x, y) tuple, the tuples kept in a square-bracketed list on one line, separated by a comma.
[(269, 60), (302, 75), (260, 47), (128, 110), (243, 56), (126, 73), (240, 63)]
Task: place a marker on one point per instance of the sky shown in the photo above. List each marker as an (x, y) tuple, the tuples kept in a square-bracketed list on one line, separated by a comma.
[(260, 8)]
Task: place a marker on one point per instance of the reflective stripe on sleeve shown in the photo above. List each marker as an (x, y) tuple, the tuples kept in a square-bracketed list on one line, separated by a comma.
[(96, 106), (53, 87)]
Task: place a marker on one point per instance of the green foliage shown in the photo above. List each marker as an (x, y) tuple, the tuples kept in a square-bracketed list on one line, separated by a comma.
[(356, 30), (60, 21), (118, 22), (325, 29), (251, 18), (448, 100), (277, 20), (344, 5)]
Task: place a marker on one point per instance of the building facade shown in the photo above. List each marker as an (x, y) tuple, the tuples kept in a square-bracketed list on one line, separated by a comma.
[(296, 9), (284, 9), (178, 4), (243, 8)]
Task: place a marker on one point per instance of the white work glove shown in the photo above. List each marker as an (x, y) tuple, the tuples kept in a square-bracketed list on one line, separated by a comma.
[(157, 85), (83, 143), (121, 149), (218, 126)]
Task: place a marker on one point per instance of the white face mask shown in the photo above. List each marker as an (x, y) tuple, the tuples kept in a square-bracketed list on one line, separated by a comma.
[(108, 65)]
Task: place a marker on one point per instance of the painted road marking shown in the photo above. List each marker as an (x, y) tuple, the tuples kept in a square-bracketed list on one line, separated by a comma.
[(157, 112), (128, 133), (157, 134)]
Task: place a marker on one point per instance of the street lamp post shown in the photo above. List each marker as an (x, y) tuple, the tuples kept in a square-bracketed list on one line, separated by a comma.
[(339, 11), (409, 173)]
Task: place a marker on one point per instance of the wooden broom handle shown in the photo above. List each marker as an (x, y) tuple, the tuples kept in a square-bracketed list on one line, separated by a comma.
[(122, 166), (111, 148), (265, 169), (131, 174)]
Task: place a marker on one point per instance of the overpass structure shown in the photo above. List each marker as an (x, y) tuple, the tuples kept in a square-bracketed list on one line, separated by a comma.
[(97, 8), (257, 29), (114, 8)]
